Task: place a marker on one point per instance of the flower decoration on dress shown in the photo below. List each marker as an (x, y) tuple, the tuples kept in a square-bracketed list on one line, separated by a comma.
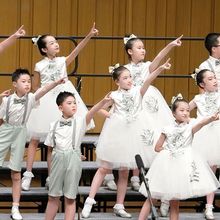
[(112, 68), (194, 75), (178, 97), (126, 39), (35, 39)]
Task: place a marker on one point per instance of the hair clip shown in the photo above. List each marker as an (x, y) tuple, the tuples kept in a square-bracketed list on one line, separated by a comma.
[(178, 97), (126, 39), (35, 39), (112, 68), (194, 75)]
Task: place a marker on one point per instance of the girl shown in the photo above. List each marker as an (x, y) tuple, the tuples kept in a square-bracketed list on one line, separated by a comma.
[(120, 139), (47, 70), (176, 154), (207, 140)]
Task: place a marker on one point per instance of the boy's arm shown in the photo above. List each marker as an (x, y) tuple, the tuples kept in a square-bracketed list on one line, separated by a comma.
[(19, 33), (36, 81), (155, 63), (154, 75), (107, 100), (43, 90), (49, 153), (3, 94), (160, 142), (204, 122), (93, 32)]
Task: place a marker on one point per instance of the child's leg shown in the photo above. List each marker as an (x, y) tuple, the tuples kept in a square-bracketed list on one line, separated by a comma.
[(174, 209), (145, 210), (31, 152), (52, 207), (135, 180), (70, 208)]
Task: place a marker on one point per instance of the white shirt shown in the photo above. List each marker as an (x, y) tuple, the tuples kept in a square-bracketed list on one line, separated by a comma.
[(16, 111), (64, 134)]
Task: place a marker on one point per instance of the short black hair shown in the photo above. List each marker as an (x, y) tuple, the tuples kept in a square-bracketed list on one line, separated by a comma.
[(62, 96), (18, 72), (211, 40)]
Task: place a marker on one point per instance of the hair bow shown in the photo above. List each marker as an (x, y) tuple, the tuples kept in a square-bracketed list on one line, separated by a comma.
[(112, 68), (35, 39), (178, 97), (126, 39), (196, 71)]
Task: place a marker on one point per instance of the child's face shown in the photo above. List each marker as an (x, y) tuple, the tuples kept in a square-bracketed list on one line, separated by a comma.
[(68, 107), (52, 46), (182, 112), (125, 80), (23, 85), (138, 51), (216, 49), (210, 83)]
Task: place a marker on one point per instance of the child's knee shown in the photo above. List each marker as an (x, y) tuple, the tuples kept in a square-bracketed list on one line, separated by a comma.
[(15, 176)]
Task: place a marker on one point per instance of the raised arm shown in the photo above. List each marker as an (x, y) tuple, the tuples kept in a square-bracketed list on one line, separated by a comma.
[(160, 142), (4, 94), (107, 100), (204, 122), (153, 76), (36, 84), (10, 40), (192, 105), (93, 32), (156, 62)]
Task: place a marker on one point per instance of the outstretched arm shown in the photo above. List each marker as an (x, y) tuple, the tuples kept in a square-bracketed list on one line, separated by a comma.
[(160, 142), (7, 42), (154, 75), (107, 100), (155, 63), (42, 91), (3, 94), (192, 105), (204, 122), (93, 32)]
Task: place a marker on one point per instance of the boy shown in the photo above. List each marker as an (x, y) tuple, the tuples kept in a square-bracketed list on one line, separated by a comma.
[(212, 44), (15, 110), (64, 140)]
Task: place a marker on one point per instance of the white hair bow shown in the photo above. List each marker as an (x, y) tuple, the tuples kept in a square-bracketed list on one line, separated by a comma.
[(195, 73), (126, 39), (178, 97), (111, 68), (35, 39)]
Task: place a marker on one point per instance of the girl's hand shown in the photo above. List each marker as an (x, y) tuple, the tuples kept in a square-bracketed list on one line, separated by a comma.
[(82, 157), (214, 117), (177, 42), (167, 65), (61, 80), (93, 32), (20, 32), (5, 93), (107, 98)]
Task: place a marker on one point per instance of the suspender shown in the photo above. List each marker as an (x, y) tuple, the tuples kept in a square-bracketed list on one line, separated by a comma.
[(73, 134), (25, 110)]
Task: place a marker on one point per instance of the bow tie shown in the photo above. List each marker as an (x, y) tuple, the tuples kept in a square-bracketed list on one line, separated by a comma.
[(63, 123), (217, 62), (19, 101)]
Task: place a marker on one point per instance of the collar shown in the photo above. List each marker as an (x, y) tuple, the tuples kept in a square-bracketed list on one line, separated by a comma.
[(136, 64)]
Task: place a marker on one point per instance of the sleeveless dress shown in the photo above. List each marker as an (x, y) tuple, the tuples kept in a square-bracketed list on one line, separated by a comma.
[(40, 118), (207, 140), (122, 135), (178, 171)]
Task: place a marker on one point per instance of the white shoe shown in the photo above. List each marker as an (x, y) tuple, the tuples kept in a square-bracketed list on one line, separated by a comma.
[(135, 183), (47, 183), (15, 214), (26, 180), (208, 212), (119, 210), (87, 207), (164, 208), (110, 184)]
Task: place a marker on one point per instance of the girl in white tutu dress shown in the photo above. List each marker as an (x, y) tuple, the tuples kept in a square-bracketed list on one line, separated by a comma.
[(207, 140), (178, 172), (47, 70), (120, 139)]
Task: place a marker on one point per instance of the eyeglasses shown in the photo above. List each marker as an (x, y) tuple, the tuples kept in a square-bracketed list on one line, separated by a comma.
[(217, 45)]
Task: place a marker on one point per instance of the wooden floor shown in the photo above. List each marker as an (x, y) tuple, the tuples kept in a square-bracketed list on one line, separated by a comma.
[(107, 216)]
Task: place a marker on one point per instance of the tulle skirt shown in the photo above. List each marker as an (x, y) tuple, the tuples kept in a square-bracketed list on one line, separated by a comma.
[(179, 176), (40, 118)]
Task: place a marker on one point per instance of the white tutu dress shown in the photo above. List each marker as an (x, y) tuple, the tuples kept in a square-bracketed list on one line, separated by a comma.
[(207, 140), (41, 117), (122, 136), (154, 105), (178, 172)]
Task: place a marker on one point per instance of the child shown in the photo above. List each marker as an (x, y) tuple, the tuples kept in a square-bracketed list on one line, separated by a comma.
[(64, 142), (15, 110), (120, 139), (7, 42), (48, 70), (212, 44), (207, 140), (4, 94), (178, 172)]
